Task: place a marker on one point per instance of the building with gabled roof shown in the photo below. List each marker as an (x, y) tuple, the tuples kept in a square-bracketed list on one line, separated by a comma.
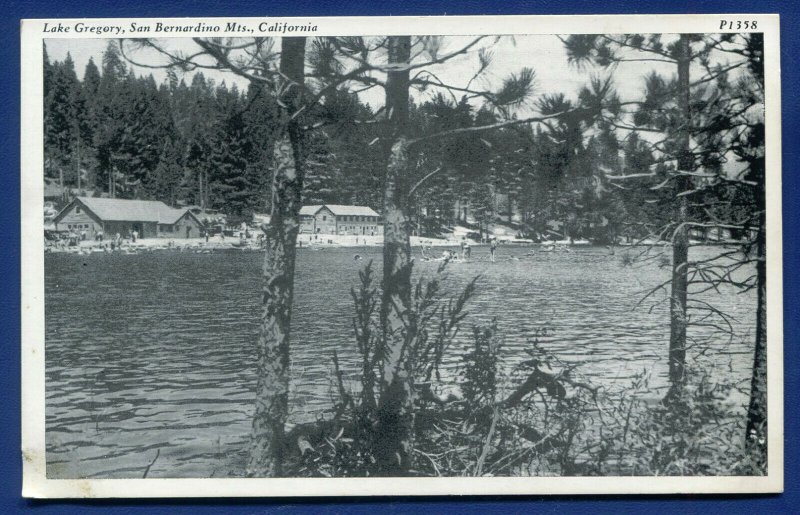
[(148, 218), (340, 219)]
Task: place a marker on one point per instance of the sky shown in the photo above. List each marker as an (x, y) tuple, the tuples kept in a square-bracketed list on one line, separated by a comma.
[(544, 53)]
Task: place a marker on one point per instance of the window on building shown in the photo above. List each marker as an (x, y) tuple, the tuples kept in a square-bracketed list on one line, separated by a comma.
[(77, 209), (324, 218)]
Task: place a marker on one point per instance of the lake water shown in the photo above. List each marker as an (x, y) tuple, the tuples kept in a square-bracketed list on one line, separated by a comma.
[(154, 352)]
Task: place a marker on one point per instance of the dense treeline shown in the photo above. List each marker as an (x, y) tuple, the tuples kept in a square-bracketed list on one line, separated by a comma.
[(125, 135), (202, 143), (551, 176)]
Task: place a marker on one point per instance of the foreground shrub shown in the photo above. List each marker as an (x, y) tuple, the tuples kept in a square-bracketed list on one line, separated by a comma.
[(539, 418)]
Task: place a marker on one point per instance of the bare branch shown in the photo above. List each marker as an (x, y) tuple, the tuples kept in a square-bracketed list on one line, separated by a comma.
[(422, 181)]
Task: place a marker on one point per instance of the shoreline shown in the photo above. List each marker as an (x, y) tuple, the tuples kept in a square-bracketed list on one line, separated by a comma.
[(327, 241), (234, 243)]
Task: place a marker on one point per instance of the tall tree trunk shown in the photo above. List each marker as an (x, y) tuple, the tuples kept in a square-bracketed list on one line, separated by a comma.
[(394, 438), (78, 165), (680, 239), (272, 391), (756, 430)]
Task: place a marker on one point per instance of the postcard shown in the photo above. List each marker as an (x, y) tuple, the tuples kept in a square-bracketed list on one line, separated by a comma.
[(401, 256)]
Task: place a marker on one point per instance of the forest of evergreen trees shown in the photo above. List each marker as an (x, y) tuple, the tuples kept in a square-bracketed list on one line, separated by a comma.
[(124, 135)]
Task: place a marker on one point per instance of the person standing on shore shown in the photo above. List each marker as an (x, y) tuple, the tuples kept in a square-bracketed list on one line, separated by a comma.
[(425, 256), (492, 247)]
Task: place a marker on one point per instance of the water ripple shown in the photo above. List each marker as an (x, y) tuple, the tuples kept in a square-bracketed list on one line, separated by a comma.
[(157, 350)]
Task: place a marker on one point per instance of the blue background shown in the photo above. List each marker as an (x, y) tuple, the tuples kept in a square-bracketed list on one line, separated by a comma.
[(10, 459)]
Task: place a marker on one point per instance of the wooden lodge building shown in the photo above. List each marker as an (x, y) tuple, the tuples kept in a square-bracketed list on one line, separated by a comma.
[(341, 220), (149, 218)]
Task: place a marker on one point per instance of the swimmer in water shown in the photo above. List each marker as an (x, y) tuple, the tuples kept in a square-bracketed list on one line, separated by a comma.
[(356, 257)]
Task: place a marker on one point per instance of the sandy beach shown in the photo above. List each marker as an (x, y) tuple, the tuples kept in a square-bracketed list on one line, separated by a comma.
[(219, 243)]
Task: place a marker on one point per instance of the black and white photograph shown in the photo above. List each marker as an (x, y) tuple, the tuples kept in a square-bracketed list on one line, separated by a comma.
[(267, 252)]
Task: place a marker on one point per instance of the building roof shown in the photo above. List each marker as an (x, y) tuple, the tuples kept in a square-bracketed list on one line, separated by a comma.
[(122, 210), (339, 210), (310, 210)]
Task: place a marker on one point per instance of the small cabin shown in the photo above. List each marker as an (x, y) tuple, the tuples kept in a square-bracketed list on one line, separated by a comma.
[(148, 218)]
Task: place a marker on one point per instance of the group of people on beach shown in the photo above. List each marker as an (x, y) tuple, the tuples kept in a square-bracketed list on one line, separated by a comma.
[(466, 252)]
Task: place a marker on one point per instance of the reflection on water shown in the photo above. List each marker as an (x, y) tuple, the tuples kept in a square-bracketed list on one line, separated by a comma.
[(156, 351)]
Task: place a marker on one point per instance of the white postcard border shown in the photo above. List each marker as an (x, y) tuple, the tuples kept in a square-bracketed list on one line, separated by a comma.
[(35, 482)]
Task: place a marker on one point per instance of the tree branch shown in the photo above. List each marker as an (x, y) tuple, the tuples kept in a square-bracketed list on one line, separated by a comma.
[(422, 181)]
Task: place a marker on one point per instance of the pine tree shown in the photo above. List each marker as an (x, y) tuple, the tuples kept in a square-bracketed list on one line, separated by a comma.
[(63, 113), (114, 94), (260, 115), (230, 181)]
